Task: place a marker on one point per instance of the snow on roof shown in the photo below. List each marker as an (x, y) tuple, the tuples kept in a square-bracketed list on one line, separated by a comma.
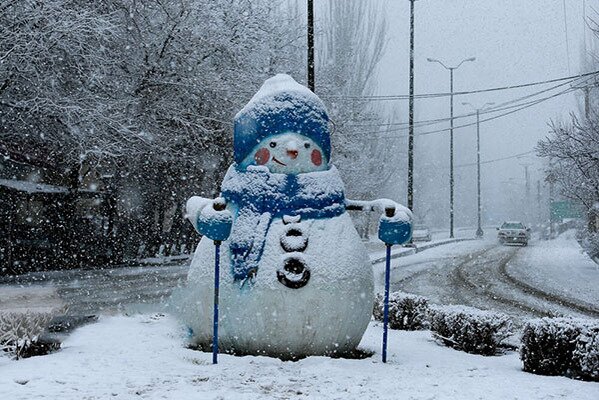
[(32, 187)]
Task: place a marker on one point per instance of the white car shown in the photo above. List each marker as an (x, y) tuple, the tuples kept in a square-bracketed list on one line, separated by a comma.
[(421, 233), (513, 232)]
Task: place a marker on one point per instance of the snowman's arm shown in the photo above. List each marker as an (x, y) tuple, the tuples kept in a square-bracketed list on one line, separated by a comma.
[(395, 223), (210, 217), (193, 207), (382, 205)]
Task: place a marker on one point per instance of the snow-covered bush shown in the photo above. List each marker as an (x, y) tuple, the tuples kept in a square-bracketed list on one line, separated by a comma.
[(561, 346), (591, 244), (586, 353), (406, 311), (469, 329), (20, 333)]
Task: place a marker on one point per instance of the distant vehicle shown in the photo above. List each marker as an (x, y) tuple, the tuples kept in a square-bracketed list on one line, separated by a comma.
[(513, 232), (421, 233)]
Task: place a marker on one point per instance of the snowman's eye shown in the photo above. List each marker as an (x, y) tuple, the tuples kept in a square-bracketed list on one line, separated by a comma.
[(307, 145), (273, 144)]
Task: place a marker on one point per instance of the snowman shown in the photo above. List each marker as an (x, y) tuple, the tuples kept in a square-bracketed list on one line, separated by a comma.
[(295, 277)]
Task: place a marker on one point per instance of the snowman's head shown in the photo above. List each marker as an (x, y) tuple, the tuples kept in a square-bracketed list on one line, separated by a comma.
[(288, 153), (284, 127)]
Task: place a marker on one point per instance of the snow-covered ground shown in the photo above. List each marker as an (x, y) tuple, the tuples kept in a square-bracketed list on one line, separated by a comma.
[(558, 266), (545, 278), (144, 356)]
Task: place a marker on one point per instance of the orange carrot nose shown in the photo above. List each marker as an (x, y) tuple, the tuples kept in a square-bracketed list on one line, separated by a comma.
[(292, 154)]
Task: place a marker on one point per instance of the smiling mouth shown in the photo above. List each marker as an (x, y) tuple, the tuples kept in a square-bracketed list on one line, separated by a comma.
[(278, 162)]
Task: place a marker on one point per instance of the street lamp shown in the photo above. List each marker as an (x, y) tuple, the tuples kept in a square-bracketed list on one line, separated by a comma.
[(451, 135), (479, 230), (411, 115), (311, 45)]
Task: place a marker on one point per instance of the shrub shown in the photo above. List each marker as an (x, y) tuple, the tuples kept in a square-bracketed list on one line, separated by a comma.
[(586, 353), (470, 329), (561, 346), (20, 333), (406, 311), (590, 243)]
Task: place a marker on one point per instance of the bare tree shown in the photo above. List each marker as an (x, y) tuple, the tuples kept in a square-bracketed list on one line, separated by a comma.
[(573, 150), (353, 39), (142, 93), (352, 45), (573, 147)]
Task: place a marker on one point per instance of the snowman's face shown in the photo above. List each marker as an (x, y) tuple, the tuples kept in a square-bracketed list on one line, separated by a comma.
[(288, 153)]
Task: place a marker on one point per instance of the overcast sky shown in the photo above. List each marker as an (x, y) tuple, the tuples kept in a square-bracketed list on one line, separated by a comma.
[(514, 42)]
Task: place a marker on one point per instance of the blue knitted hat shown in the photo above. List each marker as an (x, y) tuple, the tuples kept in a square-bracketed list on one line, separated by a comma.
[(281, 105)]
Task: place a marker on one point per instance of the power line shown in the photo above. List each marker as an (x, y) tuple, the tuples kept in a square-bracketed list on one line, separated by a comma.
[(445, 94), (528, 105), (500, 107), (521, 106), (488, 161), (497, 159)]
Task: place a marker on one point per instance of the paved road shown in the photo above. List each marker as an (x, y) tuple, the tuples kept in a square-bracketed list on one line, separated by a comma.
[(472, 273), (478, 277), (98, 291)]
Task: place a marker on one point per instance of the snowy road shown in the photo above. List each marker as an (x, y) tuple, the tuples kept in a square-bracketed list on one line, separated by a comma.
[(517, 280), (103, 291), (545, 278)]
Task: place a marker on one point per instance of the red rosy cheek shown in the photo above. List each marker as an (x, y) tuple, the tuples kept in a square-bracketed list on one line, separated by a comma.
[(262, 156), (316, 157)]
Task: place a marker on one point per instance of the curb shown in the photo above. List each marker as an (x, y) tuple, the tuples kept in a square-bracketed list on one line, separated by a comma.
[(408, 251)]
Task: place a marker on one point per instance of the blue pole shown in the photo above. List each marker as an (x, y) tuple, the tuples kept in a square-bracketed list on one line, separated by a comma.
[(216, 286), (386, 303)]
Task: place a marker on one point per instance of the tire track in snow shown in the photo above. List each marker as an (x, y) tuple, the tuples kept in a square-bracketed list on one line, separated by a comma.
[(434, 264), (461, 279), (550, 297), (492, 281), (101, 292), (480, 279)]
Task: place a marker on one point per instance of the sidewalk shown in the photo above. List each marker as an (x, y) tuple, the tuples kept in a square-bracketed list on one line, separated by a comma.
[(377, 250)]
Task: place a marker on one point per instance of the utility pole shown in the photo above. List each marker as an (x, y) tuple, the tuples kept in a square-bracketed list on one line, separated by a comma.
[(587, 102), (451, 135), (479, 229), (411, 114), (311, 45), (551, 228), (538, 203), (451, 153), (527, 188), (526, 176)]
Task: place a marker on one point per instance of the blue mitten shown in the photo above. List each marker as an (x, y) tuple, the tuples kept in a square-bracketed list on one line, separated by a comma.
[(215, 221), (395, 229)]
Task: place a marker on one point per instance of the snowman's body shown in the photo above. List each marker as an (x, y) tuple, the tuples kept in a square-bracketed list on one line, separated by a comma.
[(327, 315), (295, 278)]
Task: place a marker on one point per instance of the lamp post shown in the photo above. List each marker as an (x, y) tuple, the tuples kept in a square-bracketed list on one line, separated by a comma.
[(411, 115), (451, 69), (479, 229), (311, 45)]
